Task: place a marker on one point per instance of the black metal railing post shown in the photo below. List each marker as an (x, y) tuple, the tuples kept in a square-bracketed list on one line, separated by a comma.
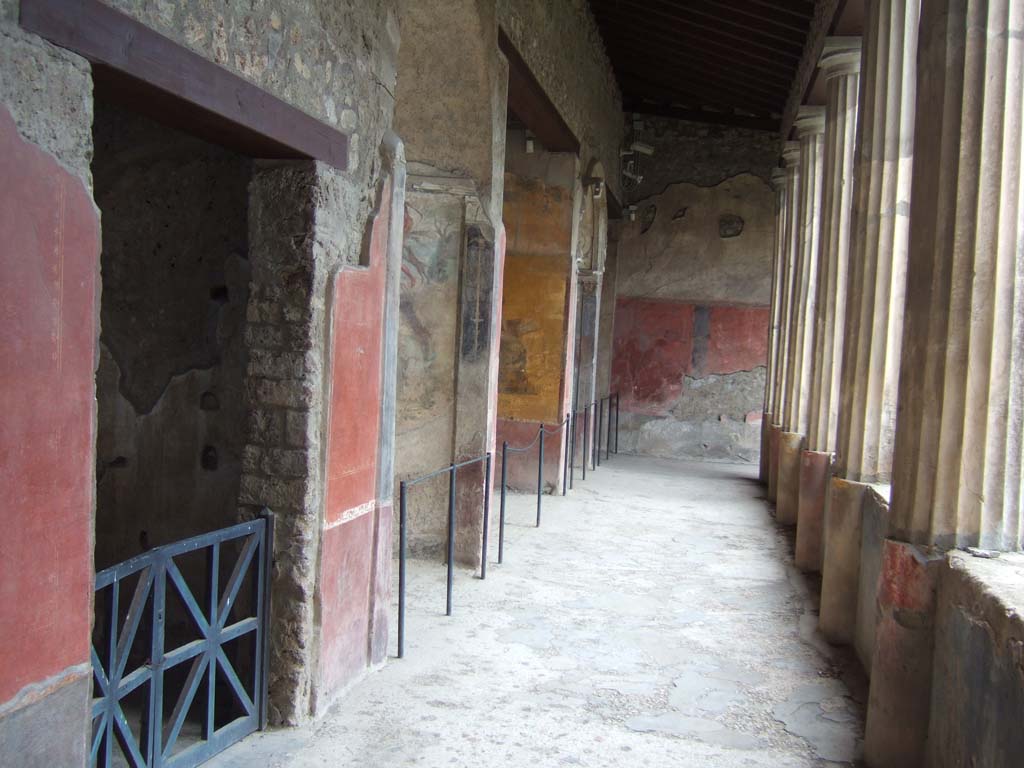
[(616, 422), (572, 451), (586, 438), (501, 514), (565, 459), (403, 491), (266, 577), (608, 442), (540, 471), (451, 539), (487, 515)]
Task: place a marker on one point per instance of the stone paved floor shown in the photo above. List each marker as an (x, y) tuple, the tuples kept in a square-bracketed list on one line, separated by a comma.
[(654, 620)]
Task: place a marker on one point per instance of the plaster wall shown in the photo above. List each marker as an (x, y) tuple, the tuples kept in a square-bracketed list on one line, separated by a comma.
[(427, 338), (170, 383), (50, 262), (693, 283), (535, 331)]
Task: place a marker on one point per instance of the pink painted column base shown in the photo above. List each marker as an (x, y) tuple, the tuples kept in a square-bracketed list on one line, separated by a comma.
[(814, 476), (901, 675)]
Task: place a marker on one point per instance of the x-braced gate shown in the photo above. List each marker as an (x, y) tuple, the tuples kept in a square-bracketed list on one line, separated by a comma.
[(180, 670)]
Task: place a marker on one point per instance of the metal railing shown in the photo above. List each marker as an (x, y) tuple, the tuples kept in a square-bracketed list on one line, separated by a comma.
[(570, 427), (403, 521), (133, 651)]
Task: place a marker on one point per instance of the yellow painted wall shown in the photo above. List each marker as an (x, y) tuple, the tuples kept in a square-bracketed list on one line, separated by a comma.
[(538, 225)]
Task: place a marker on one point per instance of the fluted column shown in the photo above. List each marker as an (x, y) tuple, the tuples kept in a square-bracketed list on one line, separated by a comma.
[(789, 248), (876, 280), (778, 182), (810, 128), (956, 469), (956, 476), (840, 66)]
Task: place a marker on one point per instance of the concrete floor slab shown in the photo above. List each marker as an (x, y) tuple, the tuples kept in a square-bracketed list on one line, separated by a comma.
[(656, 619)]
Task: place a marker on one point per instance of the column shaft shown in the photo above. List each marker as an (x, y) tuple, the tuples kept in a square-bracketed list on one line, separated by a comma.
[(778, 268), (956, 470), (881, 222), (841, 67), (876, 279), (810, 129)]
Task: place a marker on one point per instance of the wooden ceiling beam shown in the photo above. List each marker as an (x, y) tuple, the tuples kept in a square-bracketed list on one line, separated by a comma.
[(713, 24), (737, 15), (718, 96), (640, 65), (610, 19), (634, 45)]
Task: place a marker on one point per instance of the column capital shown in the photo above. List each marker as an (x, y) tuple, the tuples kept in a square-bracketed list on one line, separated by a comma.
[(791, 154), (810, 121), (841, 56)]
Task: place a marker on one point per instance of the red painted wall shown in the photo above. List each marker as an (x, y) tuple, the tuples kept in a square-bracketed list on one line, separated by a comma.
[(49, 260), (652, 351), (352, 516), (660, 342), (737, 339)]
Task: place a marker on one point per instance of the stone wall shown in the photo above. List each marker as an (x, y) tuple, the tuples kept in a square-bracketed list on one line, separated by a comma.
[(693, 283), (335, 60), (561, 44), (170, 384), (977, 700)]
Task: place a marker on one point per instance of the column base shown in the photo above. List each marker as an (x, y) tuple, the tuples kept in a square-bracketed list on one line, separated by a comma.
[(899, 700), (773, 461), (874, 530), (52, 727), (766, 425), (815, 468), (840, 573), (788, 489)]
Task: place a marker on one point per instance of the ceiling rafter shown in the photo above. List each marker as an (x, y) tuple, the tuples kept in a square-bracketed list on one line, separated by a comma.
[(726, 61)]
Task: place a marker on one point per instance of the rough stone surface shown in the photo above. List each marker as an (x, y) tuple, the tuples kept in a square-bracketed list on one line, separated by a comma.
[(283, 469), (335, 60), (50, 730), (978, 684), (48, 92), (561, 44), (170, 384), (685, 371), (610, 643), (698, 153)]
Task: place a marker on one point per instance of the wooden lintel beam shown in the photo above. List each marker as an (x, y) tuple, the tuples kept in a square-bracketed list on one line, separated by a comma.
[(531, 105), (165, 81)]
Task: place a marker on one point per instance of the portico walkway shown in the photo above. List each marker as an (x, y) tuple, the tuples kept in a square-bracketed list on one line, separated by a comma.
[(654, 620)]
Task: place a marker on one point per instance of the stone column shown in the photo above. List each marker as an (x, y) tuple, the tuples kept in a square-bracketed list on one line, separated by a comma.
[(960, 429), (790, 241), (840, 66), (778, 182), (874, 301), (810, 128)]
